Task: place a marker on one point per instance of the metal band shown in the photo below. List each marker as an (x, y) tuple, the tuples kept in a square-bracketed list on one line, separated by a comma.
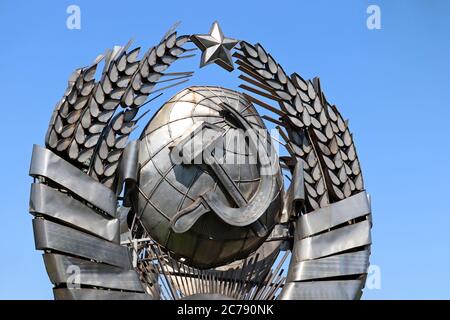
[(334, 266), (52, 236), (46, 164), (128, 168), (345, 238), (333, 215), (95, 294), (50, 202), (129, 162), (59, 269), (295, 195), (323, 290)]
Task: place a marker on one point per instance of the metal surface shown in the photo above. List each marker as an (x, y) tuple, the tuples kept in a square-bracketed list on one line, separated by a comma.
[(128, 169), (233, 219), (52, 236), (314, 133), (60, 271), (333, 215), (353, 263), (87, 128), (57, 205), (250, 278), (85, 142), (45, 163), (216, 47), (312, 129), (249, 212), (345, 238)]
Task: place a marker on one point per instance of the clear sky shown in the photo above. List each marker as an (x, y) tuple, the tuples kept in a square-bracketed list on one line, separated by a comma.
[(392, 83)]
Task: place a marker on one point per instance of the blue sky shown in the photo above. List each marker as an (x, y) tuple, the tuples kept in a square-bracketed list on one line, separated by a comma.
[(393, 85)]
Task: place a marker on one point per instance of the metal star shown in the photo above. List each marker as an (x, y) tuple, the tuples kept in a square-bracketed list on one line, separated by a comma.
[(215, 47)]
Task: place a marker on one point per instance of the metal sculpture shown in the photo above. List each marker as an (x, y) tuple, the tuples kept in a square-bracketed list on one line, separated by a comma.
[(130, 222)]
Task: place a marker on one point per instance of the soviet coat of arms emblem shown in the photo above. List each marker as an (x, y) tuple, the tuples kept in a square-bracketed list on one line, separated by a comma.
[(202, 205)]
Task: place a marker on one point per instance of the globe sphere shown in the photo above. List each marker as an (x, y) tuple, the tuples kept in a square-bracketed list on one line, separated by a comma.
[(166, 187)]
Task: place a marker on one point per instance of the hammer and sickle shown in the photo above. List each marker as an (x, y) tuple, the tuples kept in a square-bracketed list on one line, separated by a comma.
[(202, 140)]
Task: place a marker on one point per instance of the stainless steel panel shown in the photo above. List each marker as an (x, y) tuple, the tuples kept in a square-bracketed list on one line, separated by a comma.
[(47, 164), (50, 202), (322, 290), (339, 265), (345, 238), (129, 164), (52, 236), (295, 195), (333, 215), (90, 273)]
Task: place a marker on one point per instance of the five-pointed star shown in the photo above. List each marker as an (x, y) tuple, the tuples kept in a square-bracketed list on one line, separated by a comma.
[(215, 47)]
